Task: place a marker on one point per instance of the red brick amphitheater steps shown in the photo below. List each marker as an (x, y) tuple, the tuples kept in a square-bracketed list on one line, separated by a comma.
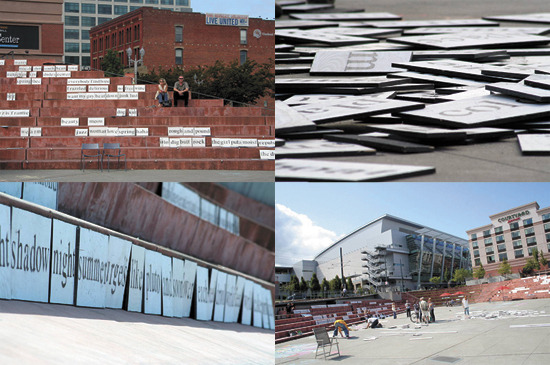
[(44, 120)]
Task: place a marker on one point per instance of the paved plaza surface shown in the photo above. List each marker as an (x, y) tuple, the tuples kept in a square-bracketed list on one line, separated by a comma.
[(493, 161), (516, 332), (136, 175), (39, 333)]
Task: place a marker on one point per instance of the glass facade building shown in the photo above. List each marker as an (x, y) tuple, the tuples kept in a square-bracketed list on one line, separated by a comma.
[(81, 15)]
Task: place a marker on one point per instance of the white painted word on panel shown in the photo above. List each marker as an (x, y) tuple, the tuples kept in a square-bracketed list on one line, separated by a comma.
[(42, 193), (219, 306), (153, 282), (257, 305), (265, 311), (116, 271), (189, 276), (5, 240), (270, 310), (247, 303), (92, 258), (63, 263), (135, 290), (178, 292), (30, 250), (204, 301), (167, 289), (230, 302), (238, 297)]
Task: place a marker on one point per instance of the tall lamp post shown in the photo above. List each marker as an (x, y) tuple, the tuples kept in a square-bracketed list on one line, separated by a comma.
[(135, 61)]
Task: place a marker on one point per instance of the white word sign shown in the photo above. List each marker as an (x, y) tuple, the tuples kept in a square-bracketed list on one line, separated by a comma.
[(70, 122)]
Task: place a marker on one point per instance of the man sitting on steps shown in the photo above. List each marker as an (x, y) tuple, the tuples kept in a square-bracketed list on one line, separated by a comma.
[(181, 91)]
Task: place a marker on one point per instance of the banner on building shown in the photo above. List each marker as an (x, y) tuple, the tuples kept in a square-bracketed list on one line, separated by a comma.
[(19, 36), (227, 19)]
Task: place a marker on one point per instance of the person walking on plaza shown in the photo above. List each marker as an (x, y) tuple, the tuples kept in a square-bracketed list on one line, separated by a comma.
[(424, 310), (181, 91), (339, 324), (394, 311), (466, 307), (408, 308), (431, 308)]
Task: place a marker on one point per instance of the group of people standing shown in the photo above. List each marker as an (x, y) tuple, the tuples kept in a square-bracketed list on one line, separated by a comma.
[(424, 310), (181, 92)]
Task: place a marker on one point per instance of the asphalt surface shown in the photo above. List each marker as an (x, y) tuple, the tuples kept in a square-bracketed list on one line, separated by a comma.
[(491, 161), (451, 339)]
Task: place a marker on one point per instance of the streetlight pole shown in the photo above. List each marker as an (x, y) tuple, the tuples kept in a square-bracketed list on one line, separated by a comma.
[(135, 61)]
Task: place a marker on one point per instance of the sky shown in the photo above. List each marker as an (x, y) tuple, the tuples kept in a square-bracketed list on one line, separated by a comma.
[(311, 216), (264, 9)]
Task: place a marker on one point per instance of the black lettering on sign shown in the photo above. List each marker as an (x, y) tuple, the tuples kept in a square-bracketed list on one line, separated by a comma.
[(483, 106)]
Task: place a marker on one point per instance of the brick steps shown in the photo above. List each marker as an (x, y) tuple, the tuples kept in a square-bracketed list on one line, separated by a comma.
[(56, 146), (148, 164)]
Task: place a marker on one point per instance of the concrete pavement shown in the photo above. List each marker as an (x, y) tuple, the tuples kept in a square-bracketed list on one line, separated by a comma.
[(451, 339), (39, 333)]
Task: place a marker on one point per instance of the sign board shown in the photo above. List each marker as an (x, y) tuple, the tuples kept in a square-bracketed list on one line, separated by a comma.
[(19, 36), (230, 298), (42, 193), (189, 275), (153, 282), (219, 306), (257, 305), (63, 263), (167, 288), (116, 270), (135, 290), (204, 298), (246, 317), (5, 239), (238, 298), (178, 287), (11, 188), (92, 258), (227, 19), (30, 260)]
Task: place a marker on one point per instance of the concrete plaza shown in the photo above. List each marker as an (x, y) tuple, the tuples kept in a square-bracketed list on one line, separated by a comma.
[(39, 333), (516, 332)]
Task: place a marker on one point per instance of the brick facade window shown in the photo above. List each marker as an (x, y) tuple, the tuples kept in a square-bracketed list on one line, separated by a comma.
[(243, 36), (179, 56), (179, 34), (243, 56)]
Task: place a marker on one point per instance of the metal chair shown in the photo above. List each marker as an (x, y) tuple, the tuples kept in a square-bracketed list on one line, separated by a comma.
[(323, 340), (115, 147), (97, 153)]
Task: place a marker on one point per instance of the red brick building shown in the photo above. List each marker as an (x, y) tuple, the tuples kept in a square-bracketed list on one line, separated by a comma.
[(32, 28), (184, 39)]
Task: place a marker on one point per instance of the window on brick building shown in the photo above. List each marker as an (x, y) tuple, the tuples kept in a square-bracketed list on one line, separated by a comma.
[(136, 32), (121, 9), (128, 35), (243, 36), (88, 21), (88, 9), (71, 21), (502, 256), (72, 47), (72, 34), (179, 34), (179, 56), (104, 9), (243, 56), (72, 8)]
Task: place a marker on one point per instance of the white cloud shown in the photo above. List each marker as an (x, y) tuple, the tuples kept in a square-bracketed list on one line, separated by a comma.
[(297, 237)]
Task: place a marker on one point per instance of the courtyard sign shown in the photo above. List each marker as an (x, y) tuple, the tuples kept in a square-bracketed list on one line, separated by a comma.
[(512, 217)]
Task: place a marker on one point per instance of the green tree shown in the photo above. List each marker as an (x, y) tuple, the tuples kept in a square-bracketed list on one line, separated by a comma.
[(349, 284), (447, 275), (530, 266), (336, 284), (242, 84), (111, 64), (543, 261), (435, 280), (535, 253), (314, 283), (303, 285), (460, 275), (294, 284), (504, 268), (479, 272), (325, 285)]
